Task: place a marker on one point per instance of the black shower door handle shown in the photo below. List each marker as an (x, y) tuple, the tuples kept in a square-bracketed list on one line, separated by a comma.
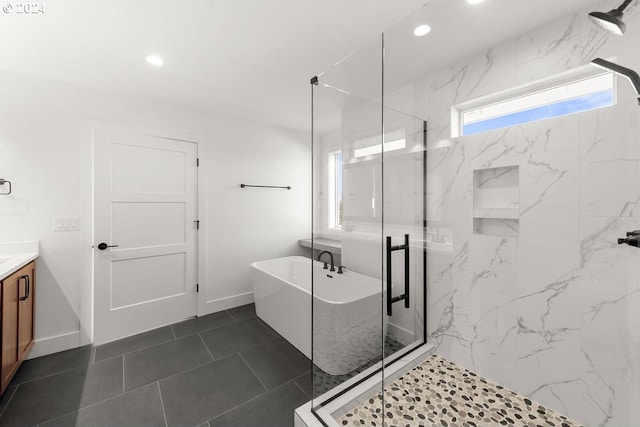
[(390, 298)]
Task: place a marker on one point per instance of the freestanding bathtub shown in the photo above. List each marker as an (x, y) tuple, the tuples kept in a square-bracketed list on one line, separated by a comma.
[(348, 323)]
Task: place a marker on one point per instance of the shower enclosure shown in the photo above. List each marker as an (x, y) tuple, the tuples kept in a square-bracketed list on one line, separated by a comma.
[(482, 179)]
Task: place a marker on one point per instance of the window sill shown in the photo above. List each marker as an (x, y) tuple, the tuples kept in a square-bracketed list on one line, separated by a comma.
[(322, 244)]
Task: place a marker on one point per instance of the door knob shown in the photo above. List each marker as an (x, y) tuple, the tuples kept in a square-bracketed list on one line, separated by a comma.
[(102, 246)]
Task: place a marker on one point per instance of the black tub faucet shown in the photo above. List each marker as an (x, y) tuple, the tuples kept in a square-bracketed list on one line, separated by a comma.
[(333, 268), (632, 239)]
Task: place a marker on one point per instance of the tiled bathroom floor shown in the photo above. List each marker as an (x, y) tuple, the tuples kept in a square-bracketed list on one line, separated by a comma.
[(441, 393), (221, 370)]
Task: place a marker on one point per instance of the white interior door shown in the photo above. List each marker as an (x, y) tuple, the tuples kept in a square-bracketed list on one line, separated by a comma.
[(145, 205)]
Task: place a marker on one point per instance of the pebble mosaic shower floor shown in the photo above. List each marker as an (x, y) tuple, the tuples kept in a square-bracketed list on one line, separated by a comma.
[(440, 393)]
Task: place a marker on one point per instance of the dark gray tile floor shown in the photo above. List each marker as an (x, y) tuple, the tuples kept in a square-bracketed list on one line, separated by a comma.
[(224, 369)]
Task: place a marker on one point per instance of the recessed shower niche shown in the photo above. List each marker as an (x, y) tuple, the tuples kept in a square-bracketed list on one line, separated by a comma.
[(496, 201)]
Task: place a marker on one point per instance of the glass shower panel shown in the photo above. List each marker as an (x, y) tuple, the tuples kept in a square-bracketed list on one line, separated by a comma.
[(348, 322)]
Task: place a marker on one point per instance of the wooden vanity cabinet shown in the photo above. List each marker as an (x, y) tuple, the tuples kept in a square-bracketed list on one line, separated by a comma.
[(26, 312), (18, 292), (10, 354)]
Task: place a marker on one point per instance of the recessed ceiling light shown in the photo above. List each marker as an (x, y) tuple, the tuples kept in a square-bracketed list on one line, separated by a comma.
[(155, 60), (475, 1), (422, 30)]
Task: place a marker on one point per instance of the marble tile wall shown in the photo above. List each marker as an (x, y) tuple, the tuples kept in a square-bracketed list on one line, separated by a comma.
[(554, 312)]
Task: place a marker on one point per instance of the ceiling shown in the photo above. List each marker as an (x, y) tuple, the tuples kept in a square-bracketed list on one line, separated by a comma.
[(246, 58)]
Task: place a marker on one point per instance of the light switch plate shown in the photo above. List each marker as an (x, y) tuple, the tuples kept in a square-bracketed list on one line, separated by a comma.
[(66, 223)]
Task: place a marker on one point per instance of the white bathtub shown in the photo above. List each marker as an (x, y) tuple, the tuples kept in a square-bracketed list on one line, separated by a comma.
[(349, 324)]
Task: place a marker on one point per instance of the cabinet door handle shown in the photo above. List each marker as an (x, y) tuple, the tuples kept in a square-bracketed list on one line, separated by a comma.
[(26, 287)]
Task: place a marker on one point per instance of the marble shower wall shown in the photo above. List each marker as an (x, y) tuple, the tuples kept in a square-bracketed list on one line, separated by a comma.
[(554, 311)]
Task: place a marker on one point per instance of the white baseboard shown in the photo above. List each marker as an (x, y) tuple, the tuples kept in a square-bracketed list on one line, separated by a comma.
[(226, 303), (69, 340), (50, 345), (400, 334)]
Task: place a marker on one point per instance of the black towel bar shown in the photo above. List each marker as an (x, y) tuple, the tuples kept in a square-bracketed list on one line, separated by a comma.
[(288, 187)]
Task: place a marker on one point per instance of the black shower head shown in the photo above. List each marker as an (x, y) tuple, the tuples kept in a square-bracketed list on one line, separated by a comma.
[(628, 73), (612, 20)]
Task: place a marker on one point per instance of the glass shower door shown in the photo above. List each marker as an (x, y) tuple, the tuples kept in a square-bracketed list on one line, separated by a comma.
[(404, 219)]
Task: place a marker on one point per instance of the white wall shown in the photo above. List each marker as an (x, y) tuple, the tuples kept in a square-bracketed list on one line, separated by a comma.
[(251, 224), (43, 151)]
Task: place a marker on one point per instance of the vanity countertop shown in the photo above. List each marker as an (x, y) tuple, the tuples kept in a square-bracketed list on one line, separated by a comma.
[(14, 256)]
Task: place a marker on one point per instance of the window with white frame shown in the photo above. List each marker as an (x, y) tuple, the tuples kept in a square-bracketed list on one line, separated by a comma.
[(393, 140), (335, 189), (583, 89)]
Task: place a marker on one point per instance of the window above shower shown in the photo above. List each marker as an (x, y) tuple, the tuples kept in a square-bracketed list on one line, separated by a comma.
[(578, 90)]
